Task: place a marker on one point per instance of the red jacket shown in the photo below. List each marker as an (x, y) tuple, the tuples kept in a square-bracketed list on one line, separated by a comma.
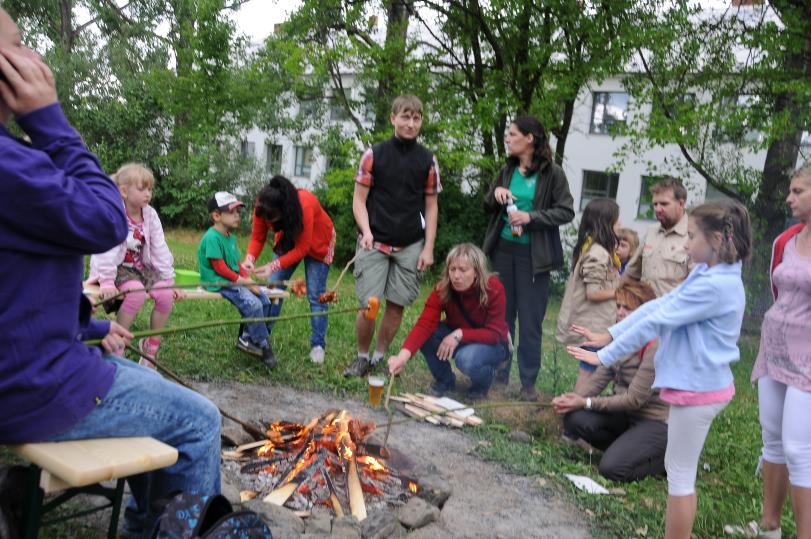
[(317, 238), (491, 319), (779, 247)]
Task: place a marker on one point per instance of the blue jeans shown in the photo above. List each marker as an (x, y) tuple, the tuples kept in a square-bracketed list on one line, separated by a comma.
[(142, 403), (315, 273), (250, 305), (476, 360)]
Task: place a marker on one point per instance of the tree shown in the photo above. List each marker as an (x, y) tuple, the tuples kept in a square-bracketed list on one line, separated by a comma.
[(695, 66), (175, 100)]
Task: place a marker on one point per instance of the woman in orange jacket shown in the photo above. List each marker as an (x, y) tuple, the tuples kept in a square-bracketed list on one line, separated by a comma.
[(302, 231)]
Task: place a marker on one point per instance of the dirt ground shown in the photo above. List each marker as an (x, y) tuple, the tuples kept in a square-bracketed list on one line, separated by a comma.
[(487, 500)]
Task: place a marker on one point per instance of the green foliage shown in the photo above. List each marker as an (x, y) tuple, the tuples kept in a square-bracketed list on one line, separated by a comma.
[(175, 100)]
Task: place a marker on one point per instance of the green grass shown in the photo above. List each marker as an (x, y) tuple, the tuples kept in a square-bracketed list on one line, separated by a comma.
[(727, 488)]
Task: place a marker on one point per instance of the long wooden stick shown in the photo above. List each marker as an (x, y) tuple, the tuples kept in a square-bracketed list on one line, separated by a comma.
[(390, 412), (204, 284), (250, 429), (487, 405), (232, 321), (341, 276)]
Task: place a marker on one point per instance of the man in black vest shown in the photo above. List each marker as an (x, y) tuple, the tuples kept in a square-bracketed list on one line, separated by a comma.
[(395, 207)]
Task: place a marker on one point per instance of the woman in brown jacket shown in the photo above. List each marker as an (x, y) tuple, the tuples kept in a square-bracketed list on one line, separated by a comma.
[(630, 425)]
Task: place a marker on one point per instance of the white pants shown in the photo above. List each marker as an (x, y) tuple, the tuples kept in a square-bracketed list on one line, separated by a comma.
[(786, 428), (687, 429)]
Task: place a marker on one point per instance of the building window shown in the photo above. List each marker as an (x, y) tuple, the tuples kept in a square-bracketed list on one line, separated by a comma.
[(273, 159), (608, 109), (307, 107), (598, 184), (304, 161), (337, 111), (247, 148), (733, 112), (645, 209)]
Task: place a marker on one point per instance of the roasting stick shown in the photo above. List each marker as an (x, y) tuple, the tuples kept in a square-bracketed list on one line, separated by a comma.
[(487, 405), (370, 312), (250, 429), (341, 276), (383, 451), (122, 293)]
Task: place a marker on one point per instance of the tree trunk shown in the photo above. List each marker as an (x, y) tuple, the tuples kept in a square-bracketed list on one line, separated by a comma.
[(394, 52), (769, 211), (563, 132)]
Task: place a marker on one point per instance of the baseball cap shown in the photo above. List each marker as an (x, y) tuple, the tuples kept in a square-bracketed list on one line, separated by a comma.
[(223, 201)]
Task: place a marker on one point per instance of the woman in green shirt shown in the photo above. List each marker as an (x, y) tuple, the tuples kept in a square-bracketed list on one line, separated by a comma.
[(528, 202)]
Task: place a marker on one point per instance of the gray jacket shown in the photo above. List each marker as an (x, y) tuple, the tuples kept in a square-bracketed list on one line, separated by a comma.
[(552, 207)]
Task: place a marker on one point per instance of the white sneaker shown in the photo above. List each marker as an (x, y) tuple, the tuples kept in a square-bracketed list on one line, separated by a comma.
[(317, 354)]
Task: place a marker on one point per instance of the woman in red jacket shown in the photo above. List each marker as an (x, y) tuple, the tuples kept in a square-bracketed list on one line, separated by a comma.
[(474, 330), (302, 230)]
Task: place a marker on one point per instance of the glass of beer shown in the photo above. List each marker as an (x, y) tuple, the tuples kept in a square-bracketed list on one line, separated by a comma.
[(376, 390)]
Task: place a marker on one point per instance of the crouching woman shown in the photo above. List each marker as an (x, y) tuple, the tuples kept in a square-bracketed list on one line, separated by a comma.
[(630, 425), (473, 330)]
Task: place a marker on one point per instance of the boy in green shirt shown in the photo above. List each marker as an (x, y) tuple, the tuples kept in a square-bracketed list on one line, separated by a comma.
[(218, 259)]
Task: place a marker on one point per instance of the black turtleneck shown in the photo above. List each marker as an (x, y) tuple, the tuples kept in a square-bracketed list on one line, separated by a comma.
[(396, 201)]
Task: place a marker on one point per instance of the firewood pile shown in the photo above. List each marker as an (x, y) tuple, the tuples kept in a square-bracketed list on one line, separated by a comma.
[(326, 463), (436, 411)]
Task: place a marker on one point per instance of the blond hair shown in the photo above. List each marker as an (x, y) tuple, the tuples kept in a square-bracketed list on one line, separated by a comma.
[(134, 173), (476, 258), (406, 103), (629, 235)]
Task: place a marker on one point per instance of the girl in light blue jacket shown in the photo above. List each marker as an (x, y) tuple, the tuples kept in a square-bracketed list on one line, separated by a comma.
[(698, 324)]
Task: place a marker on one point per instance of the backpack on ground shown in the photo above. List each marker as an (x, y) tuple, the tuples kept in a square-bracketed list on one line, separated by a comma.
[(192, 516)]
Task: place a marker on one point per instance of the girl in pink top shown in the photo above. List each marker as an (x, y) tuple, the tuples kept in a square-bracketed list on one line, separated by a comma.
[(783, 372), (142, 261)]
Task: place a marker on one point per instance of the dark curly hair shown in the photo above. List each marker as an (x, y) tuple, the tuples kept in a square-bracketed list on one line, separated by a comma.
[(278, 203), (598, 222), (529, 125)]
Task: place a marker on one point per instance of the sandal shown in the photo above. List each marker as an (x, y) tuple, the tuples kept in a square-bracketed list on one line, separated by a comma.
[(753, 529)]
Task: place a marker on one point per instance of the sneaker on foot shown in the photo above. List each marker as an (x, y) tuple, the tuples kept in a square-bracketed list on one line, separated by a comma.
[(529, 394), (317, 354), (269, 358), (753, 529), (360, 367), (148, 349), (248, 347)]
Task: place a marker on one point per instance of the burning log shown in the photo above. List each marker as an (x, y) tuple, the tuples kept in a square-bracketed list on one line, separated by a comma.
[(280, 495), (325, 462)]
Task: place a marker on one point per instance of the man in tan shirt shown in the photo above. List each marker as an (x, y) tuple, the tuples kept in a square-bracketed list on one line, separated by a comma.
[(661, 259)]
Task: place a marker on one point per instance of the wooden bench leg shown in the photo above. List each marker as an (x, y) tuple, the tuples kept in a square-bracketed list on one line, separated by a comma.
[(33, 511), (112, 533)]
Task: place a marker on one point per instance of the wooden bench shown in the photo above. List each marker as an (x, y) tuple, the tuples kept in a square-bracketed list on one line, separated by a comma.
[(273, 294), (79, 466)]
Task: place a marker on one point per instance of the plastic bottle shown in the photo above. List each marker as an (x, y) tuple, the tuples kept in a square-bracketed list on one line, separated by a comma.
[(517, 230)]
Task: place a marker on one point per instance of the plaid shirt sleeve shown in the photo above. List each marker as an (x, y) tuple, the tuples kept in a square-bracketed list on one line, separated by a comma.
[(432, 183), (364, 173)]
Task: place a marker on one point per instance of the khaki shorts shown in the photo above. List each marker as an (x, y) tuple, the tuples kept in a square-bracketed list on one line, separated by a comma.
[(393, 277)]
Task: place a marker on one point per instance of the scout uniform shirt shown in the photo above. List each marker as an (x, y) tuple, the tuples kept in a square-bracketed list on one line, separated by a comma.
[(662, 260)]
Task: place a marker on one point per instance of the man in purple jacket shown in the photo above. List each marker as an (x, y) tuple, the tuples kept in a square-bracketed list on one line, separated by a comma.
[(59, 206)]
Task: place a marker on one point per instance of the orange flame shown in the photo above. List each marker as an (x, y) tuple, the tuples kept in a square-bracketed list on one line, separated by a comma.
[(412, 486), (373, 463), (265, 450)]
